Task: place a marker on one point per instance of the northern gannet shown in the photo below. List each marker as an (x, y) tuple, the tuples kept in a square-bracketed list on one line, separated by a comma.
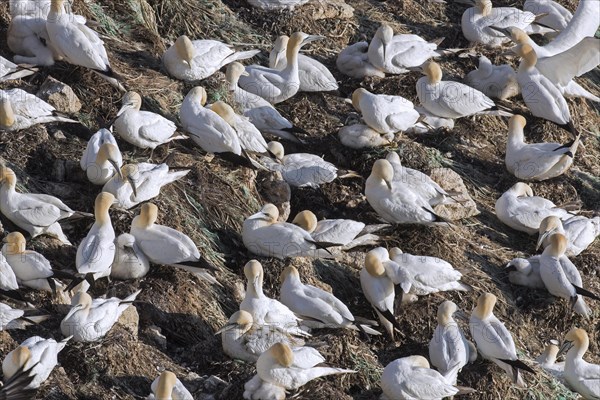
[(354, 62), (90, 320), (243, 339), (137, 183), (495, 81), (540, 94), (195, 60), (163, 245), (264, 310), (555, 16), (536, 161), (37, 355), (579, 231), (38, 214), (8, 279), (261, 113), (263, 235), (521, 210), (96, 251), (348, 233), (412, 378), (547, 360), (13, 318), (394, 203), (102, 157), (395, 54), (525, 272), (249, 136), (28, 39), (383, 113), (427, 274), (581, 376), (477, 22), (278, 85), (379, 289), (31, 268), (282, 367), (314, 76), (359, 136), (271, 5), (449, 99), (303, 169), (168, 387), (143, 129), (494, 341), (10, 70), (21, 110), (318, 308), (449, 350), (561, 277), (206, 128), (130, 262)]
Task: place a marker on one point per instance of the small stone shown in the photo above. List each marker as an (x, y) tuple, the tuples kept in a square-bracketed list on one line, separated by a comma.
[(130, 320), (452, 182), (59, 135), (213, 383), (60, 96), (329, 9)]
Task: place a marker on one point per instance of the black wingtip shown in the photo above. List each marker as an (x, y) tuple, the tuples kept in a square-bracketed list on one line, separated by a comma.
[(519, 365), (295, 129), (586, 293), (202, 263), (15, 388), (13, 294), (387, 314), (243, 161)]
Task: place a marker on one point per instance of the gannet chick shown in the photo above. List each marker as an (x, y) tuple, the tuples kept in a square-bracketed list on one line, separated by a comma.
[(536, 161), (304, 169), (418, 182), (383, 113), (521, 210), (494, 341), (198, 59), (163, 245), (10, 70), (579, 231), (249, 136), (168, 387), (243, 339), (477, 23), (354, 62), (90, 320), (555, 16), (279, 366), (263, 235), (396, 204), (102, 157), (395, 54), (130, 262), (141, 182), (264, 310), (31, 268), (525, 272), (8, 279), (21, 110), (318, 308), (359, 136), (449, 99), (271, 5), (427, 274), (547, 360), (38, 214), (346, 232), (583, 377), (262, 114), (276, 85), (379, 290), (143, 129), (12, 318), (449, 350), (41, 358), (541, 96), (561, 278), (313, 76), (206, 128), (495, 81)]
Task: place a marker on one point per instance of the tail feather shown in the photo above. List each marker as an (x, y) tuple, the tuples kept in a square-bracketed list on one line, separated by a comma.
[(240, 55), (193, 266), (518, 364), (16, 388), (387, 314), (586, 293)]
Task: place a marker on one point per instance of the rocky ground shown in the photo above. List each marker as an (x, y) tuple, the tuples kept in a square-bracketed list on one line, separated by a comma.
[(173, 324)]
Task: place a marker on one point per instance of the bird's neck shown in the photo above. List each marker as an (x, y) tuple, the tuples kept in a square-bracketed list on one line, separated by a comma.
[(577, 352)]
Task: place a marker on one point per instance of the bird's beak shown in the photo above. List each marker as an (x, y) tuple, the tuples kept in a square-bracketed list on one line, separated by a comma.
[(502, 31), (245, 73), (415, 69), (116, 167), (279, 56), (565, 347), (459, 314), (312, 38), (542, 238), (132, 183), (226, 328), (124, 107), (389, 184)]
